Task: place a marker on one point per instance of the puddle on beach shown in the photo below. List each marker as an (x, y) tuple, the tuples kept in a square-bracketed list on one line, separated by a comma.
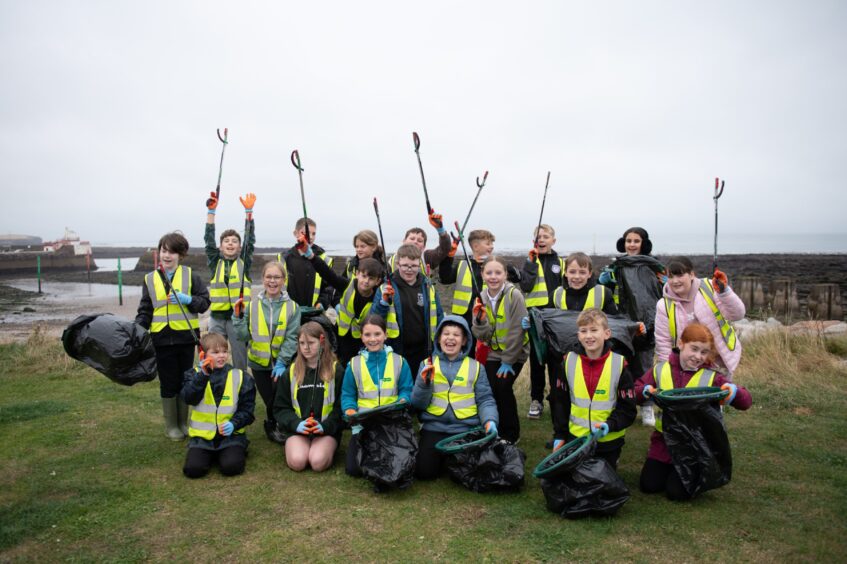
[(56, 292)]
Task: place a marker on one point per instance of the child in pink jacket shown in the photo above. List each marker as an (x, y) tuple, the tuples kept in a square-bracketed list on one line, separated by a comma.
[(688, 299)]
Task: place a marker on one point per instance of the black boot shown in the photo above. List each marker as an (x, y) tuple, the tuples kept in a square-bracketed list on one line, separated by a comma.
[(273, 432)]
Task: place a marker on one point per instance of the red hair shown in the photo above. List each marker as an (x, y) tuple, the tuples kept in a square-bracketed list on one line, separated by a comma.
[(697, 332)]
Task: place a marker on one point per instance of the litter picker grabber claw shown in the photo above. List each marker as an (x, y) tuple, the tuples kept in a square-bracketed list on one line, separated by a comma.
[(382, 242), (467, 259), (295, 160), (171, 290), (473, 204), (224, 141), (718, 193), (417, 141), (541, 215)]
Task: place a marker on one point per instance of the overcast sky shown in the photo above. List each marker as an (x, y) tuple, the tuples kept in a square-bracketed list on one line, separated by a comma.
[(109, 111)]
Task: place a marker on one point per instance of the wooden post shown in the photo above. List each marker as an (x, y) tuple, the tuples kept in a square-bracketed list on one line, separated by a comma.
[(784, 297), (825, 302), (120, 284)]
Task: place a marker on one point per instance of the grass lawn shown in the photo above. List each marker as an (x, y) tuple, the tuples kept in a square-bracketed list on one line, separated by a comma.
[(88, 475)]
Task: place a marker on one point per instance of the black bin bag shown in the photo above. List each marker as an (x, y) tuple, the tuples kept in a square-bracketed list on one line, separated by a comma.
[(696, 437), (116, 347), (577, 484), (388, 448), (483, 463), (556, 329), (639, 286)]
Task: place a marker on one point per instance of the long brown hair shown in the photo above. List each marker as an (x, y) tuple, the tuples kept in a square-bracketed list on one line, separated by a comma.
[(326, 361)]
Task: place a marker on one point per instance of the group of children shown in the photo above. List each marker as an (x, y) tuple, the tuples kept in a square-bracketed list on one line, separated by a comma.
[(392, 342)]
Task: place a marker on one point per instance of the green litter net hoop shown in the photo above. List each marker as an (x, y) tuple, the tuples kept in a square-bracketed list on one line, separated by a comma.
[(455, 443)]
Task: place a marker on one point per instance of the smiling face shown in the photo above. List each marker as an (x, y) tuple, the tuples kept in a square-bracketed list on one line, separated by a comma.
[(632, 243), (408, 269), (577, 275), (274, 281), (452, 340), (416, 239), (366, 283), (693, 355), (168, 259), (230, 247), (494, 276), (363, 250), (545, 241), (592, 337), (373, 337), (218, 355), (680, 284), (482, 248)]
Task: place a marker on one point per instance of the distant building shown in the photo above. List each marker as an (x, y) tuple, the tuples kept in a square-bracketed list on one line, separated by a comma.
[(11, 241)]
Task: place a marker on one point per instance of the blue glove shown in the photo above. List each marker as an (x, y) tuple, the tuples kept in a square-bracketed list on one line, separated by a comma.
[(301, 428), (184, 299), (525, 322), (491, 428), (557, 444), (733, 390), (648, 391), (356, 429), (600, 429), (307, 253), (278, 370), (226, 429), (604, 278), (504, 370)]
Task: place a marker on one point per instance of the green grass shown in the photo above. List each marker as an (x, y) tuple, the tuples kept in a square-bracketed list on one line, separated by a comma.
[(88, 475)]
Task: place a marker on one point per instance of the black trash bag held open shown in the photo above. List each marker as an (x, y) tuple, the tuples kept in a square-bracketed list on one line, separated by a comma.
[(583, 485), (119, 348), (557, 329), (696, 437), (388, 447), (496, 465), (638, 287)]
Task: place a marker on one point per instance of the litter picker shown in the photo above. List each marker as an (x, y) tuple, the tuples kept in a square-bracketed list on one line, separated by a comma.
[(224, 141), (467, 259), (169, 289), (473, 204), (541, 215), (295, 160), (718, 193), (417, 141), (382, 242)]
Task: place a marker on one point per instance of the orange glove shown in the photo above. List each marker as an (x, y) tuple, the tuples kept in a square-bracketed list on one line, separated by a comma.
[(454, 246), (350, 412), (248, 201), (212, 202), (238, 308), (206, 364), (719, 281), (479, 310), (428, 370), (387, 293), (641, 329), (436, 221), (533, 254), (311, 423), (302, 244)]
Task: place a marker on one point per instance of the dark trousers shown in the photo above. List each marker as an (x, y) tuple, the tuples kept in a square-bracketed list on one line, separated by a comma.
[(351, 466), (504, 394), (430, 462), (658, 477), (267, 389), (554, 367), (199, 461), (172, 361), (414, 356)]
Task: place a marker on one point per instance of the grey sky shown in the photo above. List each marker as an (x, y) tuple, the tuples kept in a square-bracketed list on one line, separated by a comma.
[(109, 112)]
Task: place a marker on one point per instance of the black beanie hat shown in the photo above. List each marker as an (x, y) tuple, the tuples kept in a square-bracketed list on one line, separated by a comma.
[(646, 244)]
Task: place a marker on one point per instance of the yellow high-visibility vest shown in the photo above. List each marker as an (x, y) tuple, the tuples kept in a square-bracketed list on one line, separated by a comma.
[(663, 376), (586, 410), (595, 300), (166, 314), (538, 295), (225, 288), (370, 395), (329, 393), (460, 395), (727, 331), (267, 335), (499, 321), (317, 291), (347, 318), (206, 416)]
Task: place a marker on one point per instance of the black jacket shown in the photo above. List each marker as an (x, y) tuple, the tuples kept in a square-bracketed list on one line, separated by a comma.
[(554, 274), (194, 387)]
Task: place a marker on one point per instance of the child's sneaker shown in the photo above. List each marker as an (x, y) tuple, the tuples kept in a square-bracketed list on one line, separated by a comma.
[(648, 419), (536, 408)]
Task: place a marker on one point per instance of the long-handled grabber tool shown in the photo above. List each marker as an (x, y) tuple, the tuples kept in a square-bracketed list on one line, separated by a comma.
[(718, 193), (541, 215), (224, 141), (417, 141)]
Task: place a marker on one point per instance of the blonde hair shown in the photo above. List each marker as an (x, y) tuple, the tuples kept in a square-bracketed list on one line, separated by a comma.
[(581, 259), (546, 227), (213, 341), (275, 264), (480, 235), (591, 317), (326, 361)]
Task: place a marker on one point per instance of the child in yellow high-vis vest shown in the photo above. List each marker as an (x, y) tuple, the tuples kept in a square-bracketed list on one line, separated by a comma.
[(596, 395), (542, 273), (269, 326), (308, 402), (170, 307), (304, 284), (228, 270), (223, 399), (497, 323), (375, 377)]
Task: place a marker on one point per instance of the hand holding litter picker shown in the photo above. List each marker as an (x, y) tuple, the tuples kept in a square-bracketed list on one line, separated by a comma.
[(428, 370), (224, 141), (718, 193), (417, 141)]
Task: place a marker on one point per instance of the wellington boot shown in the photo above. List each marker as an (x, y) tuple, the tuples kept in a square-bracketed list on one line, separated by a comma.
[(171, 413), (182, 416)]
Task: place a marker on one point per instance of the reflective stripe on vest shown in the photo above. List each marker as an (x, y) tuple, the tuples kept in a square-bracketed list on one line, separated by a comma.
[(393, 327), (539, 296), (596, 295), (587, 410), (329, 393), (266, 338), (463, 289), (370, 395), (663, 376), (727, 332), (347, 311), (166, 314), (499, 323), (460, 395), (316, 293), (206, 415), (225, 288)]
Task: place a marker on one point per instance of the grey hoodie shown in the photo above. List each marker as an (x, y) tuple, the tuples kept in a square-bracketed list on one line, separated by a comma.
[(422, 392)]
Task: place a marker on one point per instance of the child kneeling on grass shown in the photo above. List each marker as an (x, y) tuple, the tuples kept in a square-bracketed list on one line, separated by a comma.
[(686, 367), (223, 398), (602, 401), (308, 402), (452, 394)]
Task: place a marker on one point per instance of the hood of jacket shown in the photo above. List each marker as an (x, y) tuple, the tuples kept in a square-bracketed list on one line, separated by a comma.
[(453, 320)]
